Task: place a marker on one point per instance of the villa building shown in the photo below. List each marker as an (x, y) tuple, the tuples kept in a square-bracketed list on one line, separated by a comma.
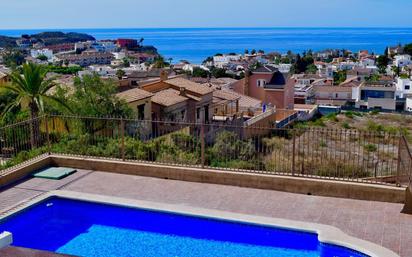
[(402, 60), (61, 48), (269, 85), (404, 92), (376, 95), (223, 60), (87, 59), (140, 101), (179, 99), (42, 52)]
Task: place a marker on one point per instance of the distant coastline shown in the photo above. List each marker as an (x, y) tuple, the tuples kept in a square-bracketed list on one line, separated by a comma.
[(195, 44)]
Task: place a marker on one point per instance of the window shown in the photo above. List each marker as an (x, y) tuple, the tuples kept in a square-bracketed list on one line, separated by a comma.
[(198, 113), (261, 83), (183, 113), (207, 113), (407, 87), (140, 112)]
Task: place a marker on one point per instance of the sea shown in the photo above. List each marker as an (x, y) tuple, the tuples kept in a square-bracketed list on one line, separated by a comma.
[(196, 44)]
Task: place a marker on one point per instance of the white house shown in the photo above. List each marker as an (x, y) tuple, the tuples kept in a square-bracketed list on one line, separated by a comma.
[(367, 61), (408, 105), (222, 60), (104, 46), (346, 65), (402, 60), (119, 55), (40, 52), (404, 88), (284, 67), (189, 67), (102, 70)]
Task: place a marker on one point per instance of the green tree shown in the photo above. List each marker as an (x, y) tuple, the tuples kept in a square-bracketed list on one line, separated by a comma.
[(42, 57), (311, 69), (396, 70), (32, 92), (120, 73), (95, 97), (219, 73), (13, 58), (126, 62), (159, 62), (74, 69), (285, 60), (382, 62), (373, 78), (339, 77), (199, 72), (408, 49), (302, 63)]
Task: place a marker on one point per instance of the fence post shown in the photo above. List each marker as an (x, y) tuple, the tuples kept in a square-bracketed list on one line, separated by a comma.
[(122, 135), (48, 134), (293, 151), (202, 145), (398, 167)]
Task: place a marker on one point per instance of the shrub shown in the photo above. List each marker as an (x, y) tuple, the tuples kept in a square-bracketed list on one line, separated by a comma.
[(346, 125), (374, 112), (370, 148), (229, 147), (374, 127), (332, 117)]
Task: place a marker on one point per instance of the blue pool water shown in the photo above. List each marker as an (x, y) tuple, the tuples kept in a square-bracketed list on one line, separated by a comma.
[(92, 229)]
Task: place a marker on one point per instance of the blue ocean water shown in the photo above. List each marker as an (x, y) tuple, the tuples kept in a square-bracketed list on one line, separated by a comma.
[(195, 44), (98, 230)]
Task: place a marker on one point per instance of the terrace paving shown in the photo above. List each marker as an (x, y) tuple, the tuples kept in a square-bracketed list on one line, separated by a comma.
[(380, 223)]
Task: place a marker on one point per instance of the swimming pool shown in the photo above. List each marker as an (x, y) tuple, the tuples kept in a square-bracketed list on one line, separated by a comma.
[(94, 229)]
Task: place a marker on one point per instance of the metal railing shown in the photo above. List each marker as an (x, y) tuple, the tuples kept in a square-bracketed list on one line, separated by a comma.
[(404, 162), (338, 154)]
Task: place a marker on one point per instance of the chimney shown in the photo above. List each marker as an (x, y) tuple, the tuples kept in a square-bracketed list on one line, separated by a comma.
[(182, 91), (246, 82), (164, 75)]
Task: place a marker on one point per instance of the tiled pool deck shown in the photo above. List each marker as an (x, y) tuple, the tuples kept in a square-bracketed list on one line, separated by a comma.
[(380, 223)]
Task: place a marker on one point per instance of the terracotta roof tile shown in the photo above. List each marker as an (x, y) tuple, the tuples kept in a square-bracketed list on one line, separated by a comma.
[(134, 94), (168, 97), (225, 95), (189, 85)]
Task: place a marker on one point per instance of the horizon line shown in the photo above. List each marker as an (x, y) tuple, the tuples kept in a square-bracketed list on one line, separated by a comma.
[(215, 27)]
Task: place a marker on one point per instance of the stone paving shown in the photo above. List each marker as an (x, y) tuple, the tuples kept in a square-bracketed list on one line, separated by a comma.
[(380, 223)]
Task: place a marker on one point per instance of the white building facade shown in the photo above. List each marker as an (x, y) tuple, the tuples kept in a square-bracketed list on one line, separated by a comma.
[(42, 52), (402, 60)]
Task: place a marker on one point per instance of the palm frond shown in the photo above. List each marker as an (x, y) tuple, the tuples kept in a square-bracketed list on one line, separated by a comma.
[(59, 101)]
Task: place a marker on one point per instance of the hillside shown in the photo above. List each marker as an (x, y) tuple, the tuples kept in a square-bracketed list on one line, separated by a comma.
[(48, 38), (52, 38), (7, 41)]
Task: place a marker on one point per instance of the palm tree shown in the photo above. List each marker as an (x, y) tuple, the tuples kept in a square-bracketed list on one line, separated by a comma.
[(31, 89), (159, 62)]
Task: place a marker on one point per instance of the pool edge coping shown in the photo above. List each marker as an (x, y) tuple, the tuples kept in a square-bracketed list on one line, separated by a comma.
[(326, 233)]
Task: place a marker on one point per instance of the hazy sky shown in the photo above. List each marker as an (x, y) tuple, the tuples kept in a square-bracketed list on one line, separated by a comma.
[(28, 14)]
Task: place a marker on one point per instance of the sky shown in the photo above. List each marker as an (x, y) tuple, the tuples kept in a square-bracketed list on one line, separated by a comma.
[(38, 14)]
